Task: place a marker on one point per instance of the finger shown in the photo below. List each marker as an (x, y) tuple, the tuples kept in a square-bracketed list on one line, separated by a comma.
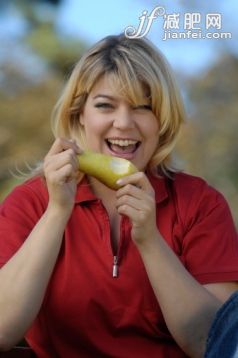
[(133, 214), (61, 144), (142, 205), (130, 189), (60, 159), (58, 162), (61, 176), (130, 201), (137, 185), (138, 179)]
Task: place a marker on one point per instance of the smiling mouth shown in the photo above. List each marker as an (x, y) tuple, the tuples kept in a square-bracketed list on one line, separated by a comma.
[(123, 146)]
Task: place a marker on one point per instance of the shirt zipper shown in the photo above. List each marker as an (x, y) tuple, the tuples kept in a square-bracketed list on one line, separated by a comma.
[(116, 255), (115, 266)]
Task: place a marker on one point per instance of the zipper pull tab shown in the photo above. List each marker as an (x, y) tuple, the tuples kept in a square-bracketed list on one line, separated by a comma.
[(115, 267)]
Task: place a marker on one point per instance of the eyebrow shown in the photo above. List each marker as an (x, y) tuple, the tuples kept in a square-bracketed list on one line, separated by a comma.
[(104, 96)]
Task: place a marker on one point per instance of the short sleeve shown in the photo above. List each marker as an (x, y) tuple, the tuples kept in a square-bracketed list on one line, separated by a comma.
[(19, 213), (210, 242)]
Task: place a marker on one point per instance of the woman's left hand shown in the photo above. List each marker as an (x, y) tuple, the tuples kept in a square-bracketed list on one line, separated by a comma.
[(136, 199)]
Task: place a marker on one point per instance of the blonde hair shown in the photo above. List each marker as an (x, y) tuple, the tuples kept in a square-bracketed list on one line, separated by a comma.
[(135, 65)]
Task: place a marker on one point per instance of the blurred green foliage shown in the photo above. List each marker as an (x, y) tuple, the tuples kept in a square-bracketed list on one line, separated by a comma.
[(59, 52), (26, 102), (208, 142)]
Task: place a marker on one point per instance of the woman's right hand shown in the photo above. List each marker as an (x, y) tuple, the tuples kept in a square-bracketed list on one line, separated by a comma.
[(61, 172), (33, 263)]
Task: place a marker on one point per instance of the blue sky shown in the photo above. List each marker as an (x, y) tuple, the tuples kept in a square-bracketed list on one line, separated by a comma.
[(93, 20)]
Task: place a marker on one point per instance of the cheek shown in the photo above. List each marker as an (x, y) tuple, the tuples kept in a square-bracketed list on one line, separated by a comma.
[(99, 122), (95, 129), (151, 128), (156, 126)]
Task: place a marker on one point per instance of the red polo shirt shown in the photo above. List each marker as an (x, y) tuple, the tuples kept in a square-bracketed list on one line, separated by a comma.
[(88, 313)]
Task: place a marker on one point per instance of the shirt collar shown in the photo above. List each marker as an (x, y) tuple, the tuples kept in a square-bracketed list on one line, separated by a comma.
[(85, 193), (160, 186)]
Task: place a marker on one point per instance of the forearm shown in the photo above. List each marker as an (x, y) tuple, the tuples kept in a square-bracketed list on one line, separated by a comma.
[(24, 278), (188, 308)]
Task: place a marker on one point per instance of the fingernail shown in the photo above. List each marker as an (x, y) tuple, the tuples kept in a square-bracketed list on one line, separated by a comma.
[(119, 181)]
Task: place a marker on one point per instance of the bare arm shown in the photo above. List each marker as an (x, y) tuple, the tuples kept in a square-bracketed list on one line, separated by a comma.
[(24, 278), (187, 306)]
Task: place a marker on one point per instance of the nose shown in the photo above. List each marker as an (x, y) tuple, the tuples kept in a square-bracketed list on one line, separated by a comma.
[(123, 119)]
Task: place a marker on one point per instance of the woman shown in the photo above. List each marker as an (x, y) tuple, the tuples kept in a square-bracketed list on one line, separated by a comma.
[(92, 272)]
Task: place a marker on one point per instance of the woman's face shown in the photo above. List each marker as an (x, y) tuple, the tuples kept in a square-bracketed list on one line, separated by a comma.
[(113, 126)]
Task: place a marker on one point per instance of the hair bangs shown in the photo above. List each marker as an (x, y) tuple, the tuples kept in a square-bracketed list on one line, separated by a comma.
[(133, 91)]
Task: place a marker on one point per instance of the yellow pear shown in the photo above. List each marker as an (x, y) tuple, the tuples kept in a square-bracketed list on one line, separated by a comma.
[(106, 168)]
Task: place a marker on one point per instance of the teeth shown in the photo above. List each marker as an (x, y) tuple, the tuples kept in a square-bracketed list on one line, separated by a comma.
[(122, 142)]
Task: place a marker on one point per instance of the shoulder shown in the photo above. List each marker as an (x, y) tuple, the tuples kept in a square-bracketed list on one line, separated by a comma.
[(31, 194), (184, 180), (183, 187), (35, 185), (19, 213), (195, 198), (191, 187)]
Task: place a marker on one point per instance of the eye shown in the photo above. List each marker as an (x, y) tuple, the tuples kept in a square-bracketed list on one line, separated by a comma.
[(103, 105), (146, 107)]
